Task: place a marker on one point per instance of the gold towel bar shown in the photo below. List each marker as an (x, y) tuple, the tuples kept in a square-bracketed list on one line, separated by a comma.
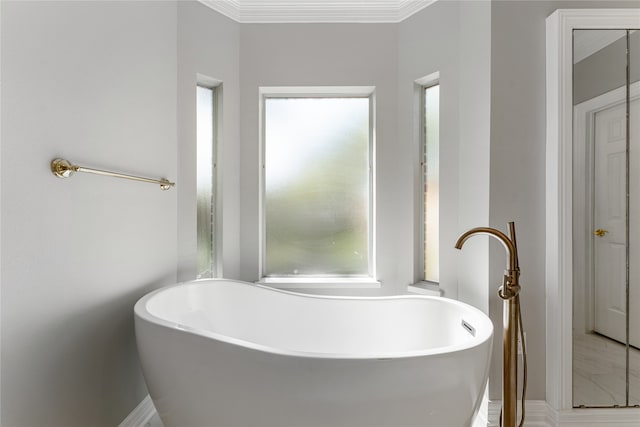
[(64, 169)]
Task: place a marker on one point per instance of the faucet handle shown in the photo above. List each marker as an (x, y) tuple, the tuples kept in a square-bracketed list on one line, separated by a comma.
[(508, 292), (510, 287)]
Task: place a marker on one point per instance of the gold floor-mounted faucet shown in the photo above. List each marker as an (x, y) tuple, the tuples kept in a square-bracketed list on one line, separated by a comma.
[(509, 292)]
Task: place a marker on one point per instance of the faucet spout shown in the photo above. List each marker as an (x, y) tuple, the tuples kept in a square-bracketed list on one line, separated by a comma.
[(510, 287), (512, 254)]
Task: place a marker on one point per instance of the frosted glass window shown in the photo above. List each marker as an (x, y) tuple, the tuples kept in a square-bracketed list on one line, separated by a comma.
[(430, 171), (205, 166), (317, 189)]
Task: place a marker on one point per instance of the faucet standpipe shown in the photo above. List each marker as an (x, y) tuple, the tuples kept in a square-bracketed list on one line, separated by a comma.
[(509, 292)]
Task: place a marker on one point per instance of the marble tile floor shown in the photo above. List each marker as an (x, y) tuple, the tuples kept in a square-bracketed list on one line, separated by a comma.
[(599, 372)]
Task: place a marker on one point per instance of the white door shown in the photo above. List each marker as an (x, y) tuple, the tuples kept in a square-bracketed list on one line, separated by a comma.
[(610, 258)]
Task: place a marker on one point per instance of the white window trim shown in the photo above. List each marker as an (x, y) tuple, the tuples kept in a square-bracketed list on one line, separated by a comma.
[(309, 282), (426, 288), (320, 282)]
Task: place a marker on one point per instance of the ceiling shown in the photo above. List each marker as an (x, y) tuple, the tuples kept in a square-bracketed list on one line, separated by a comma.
[(283, 11)]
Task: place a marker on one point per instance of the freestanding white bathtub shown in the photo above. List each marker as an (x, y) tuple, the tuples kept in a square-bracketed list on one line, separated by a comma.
[(222, 353)]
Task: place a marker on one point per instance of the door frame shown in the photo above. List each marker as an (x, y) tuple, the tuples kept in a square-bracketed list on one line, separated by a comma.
[(559, 203), (583, 171)]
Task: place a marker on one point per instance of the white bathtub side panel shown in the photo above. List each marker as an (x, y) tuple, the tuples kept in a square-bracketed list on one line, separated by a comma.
[(195, 381)]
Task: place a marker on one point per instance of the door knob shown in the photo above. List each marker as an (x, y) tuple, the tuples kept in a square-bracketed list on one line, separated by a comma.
[(600, 232)]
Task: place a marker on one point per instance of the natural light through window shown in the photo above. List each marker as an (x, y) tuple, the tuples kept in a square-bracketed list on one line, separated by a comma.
[(205, 166), (430, 173), (317, 187)]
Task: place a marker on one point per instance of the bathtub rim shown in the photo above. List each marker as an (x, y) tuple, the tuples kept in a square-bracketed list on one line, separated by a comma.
[(141, 312)]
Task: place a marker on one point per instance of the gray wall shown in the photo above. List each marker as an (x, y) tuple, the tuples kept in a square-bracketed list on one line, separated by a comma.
[(518, 154), (451, 38), (94, 82), (108, 85), (208, 45)]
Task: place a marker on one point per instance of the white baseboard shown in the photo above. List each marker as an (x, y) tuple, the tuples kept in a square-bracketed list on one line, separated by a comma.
[(141, 415), (619, 417), (540, 414)]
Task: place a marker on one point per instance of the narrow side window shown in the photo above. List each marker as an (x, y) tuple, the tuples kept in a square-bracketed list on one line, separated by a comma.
[(430, 142), (206, 176)]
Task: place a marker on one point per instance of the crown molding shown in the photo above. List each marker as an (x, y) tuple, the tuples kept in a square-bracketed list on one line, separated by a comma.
[(228, 8), (406, 8), (317, 11)]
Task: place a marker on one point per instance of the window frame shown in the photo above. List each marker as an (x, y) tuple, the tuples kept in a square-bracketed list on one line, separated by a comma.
[(421, 86), (215, 236), (304, 281)]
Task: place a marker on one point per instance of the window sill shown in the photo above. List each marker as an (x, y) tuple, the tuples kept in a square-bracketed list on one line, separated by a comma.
[(425, 288), (320, 283)]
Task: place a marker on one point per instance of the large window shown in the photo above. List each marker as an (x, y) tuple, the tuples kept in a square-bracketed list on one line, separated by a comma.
[(430, 137), (317, 191)]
